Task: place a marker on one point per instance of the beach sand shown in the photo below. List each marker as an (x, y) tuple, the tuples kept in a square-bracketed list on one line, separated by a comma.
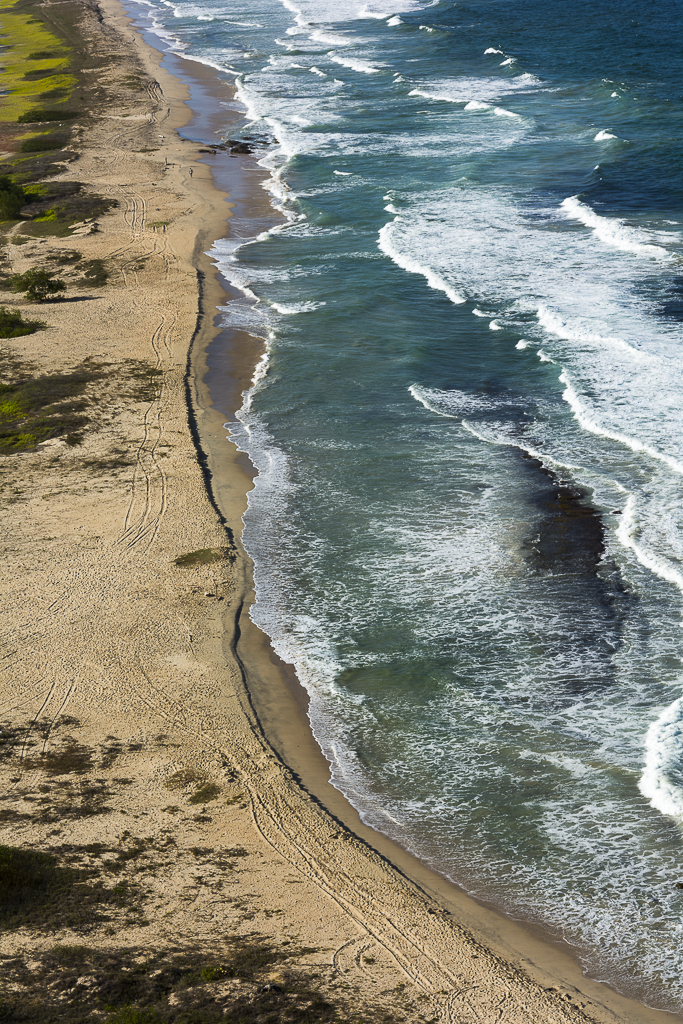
[(155, 752)]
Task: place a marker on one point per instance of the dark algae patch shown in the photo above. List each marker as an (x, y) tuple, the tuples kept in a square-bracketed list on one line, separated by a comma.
[(570, 533)]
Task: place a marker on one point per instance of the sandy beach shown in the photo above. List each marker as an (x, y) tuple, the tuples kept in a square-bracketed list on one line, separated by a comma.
[(164, 803)]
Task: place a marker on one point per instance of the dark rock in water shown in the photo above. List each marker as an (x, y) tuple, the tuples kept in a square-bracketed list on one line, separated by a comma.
[(679, 885), (236, 147), (570, 535)]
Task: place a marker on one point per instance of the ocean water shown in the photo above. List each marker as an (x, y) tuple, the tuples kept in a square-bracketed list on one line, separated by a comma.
[(467, 525)]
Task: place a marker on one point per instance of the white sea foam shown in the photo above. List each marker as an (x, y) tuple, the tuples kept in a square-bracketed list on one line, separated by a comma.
[(627, 534), (317, 12), (331, 38), (510, 60), (356, 65), (495, 326), (469, 90), (343, 174), (394, 21), (492, 49), (662, 779), (572, 765), (603, 135), (522, 344), (592, 423), (500, 438), (455, 404), (612, 231), (409, 263), (577, 330), (298, 307)]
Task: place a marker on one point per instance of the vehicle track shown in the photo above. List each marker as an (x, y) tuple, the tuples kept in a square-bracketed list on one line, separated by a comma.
[(149, 495)]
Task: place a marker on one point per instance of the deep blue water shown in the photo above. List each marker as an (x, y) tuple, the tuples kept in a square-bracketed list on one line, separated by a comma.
[(467, 525)]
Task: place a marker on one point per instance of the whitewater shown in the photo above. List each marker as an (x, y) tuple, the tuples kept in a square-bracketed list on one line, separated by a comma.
[(467, 526)]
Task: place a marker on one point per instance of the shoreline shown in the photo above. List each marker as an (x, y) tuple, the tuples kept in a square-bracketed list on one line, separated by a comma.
[(198, 688), (279, 706)]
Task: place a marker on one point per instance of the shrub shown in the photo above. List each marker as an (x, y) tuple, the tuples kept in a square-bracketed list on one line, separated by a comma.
[(12, 198), (13, 325), (94, 273), (208, 792), (205, 556), (39, 114), (38, 285), (42, 143)]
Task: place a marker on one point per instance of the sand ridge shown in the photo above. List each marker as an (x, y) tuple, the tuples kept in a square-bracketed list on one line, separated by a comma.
[(132, 751)]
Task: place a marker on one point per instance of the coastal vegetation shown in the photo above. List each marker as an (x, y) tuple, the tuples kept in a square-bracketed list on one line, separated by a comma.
[(12, 198), (34, 409), (246, 981), (205, 556), (14, 325), (38, 285), (89, 889), (35, 60)]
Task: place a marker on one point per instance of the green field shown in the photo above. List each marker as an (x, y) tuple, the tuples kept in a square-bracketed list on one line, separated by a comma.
[(34, 60)]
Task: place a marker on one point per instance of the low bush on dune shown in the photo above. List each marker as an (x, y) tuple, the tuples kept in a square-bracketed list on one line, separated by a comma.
[(38, 285), (42, 143), (12, 198), (39, 114), (13, 325)]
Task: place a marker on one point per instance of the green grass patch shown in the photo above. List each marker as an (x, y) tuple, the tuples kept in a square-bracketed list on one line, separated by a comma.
[(38, 284), (60, 209), (12, 198), (34, 410), (66, 257), (31, 50), (72, 758), (205, 556)]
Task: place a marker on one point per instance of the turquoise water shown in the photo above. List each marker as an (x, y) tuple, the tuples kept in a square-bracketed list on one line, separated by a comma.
[(467, 525)]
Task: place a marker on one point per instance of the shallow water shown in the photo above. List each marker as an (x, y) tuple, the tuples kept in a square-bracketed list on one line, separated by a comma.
[(467, 525)]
